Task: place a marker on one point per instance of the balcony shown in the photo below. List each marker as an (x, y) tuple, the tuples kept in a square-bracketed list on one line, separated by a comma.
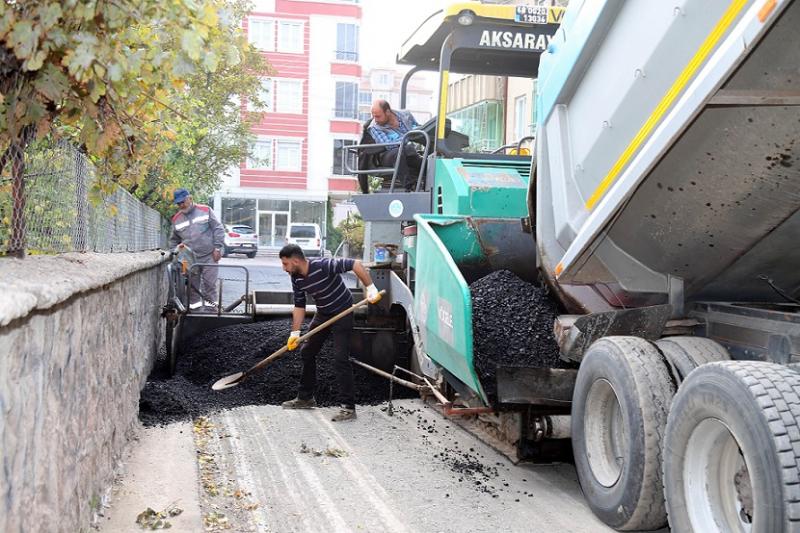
[(345, 114)]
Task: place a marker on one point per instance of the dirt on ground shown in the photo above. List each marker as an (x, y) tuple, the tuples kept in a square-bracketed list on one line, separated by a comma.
[(224, 351), (512, 325)]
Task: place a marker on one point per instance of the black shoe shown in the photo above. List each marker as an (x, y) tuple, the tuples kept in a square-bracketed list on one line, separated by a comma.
[(345, 413), (297, 403)]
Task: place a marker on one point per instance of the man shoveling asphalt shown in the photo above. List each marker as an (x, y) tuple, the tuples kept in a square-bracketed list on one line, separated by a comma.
[(322, 278)]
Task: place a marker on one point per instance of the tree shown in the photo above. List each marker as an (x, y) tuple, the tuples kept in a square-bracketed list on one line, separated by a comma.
[(131, 82), (215, 134), (352, 231), (333, 237)]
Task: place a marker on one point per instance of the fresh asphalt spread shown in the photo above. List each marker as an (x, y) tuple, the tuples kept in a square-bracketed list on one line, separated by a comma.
[(224, 351), (512, 326)]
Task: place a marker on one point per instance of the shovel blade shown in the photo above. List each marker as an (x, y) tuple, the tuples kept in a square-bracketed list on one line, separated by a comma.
[(228, 381)]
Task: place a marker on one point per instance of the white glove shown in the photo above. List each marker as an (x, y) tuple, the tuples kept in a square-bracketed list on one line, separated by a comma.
[(294, 339), (373, 296)]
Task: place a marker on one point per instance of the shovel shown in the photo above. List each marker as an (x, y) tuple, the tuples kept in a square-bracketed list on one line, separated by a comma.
[(235, 379)]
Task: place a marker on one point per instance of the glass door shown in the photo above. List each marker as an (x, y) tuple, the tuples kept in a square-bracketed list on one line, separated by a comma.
[(265, 229), (280, 225), (272, 228)]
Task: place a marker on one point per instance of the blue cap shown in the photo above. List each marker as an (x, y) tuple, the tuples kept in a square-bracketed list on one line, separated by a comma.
[(179, 195)]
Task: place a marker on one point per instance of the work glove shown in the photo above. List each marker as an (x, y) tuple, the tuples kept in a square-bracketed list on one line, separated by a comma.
[(373, 296), (294, 340)]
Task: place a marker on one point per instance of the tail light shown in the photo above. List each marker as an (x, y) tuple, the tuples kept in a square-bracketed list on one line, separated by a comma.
[(232, 234), (317, 242), (255, 236)]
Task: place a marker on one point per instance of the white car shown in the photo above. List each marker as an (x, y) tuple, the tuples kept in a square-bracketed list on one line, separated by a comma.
[(307, 236), (240, 239)]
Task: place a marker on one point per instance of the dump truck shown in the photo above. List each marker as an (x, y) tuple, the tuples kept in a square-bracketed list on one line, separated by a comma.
[(661, 211)]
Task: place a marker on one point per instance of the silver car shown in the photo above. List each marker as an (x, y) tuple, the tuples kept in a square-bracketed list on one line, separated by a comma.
[(240, 239)]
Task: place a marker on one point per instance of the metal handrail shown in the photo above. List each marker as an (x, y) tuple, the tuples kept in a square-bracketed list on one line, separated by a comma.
[(199, 267), (518, 145), (353, 148)]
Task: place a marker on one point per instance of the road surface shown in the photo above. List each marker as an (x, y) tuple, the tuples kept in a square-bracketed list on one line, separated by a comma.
[(265, 469)]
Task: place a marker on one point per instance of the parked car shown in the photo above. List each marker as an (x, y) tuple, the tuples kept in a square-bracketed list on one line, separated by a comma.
[(307, 236), (240, 239)]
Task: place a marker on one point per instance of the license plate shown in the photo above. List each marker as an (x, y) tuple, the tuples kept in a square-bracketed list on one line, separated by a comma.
[(247, 245)]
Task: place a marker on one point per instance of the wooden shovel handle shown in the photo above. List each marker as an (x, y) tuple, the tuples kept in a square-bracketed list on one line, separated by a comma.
[(278, 354)]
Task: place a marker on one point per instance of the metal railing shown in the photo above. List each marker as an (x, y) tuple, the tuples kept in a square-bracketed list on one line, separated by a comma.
[(346, 113), (517, 145), (386, 171), (55, 209), (346, 55)]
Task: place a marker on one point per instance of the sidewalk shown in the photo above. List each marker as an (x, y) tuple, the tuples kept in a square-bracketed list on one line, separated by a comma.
[(160, 471)]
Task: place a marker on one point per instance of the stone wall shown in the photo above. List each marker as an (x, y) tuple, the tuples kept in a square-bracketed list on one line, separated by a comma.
[(78, 335)]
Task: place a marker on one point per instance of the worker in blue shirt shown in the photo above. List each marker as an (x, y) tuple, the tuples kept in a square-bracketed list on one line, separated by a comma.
[(389, 126), (322, 279)]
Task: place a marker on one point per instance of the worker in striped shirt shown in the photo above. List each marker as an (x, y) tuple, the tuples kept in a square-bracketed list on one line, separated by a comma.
[(322, 279)]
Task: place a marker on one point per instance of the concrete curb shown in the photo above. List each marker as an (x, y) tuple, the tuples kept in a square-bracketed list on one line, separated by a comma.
[(41, 282)]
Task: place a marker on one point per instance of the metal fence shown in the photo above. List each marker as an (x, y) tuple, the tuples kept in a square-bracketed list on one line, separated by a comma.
[(62, 214)]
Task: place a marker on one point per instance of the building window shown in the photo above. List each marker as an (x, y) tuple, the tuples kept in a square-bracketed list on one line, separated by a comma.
[(290, 37), (271, 204), (347, 42), (382, 80), (305, 211), (520, 117), (365, 97), (339, 157), (288, 155), (346, 100), (261, 34), (265, 95), (239, 211), (261, 155), (389, 97), (289, 96)]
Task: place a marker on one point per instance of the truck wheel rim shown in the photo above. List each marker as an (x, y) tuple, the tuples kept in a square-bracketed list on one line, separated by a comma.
[(606, 442), (716, 480)]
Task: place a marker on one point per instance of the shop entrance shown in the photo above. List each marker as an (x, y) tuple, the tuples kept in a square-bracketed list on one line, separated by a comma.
[(272, 227)]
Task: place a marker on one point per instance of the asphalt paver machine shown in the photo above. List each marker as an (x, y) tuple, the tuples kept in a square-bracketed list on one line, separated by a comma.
[(661, 208)]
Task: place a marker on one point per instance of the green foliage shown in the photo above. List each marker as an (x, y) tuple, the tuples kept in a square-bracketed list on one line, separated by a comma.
[(145, 87), (333, 237), (352, 231)]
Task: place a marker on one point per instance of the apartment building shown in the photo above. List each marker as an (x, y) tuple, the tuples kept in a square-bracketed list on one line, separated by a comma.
[(312, 108)]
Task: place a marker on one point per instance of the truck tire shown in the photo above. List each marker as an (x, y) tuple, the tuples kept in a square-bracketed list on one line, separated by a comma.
[(732, 454), (619, 412), (684, 354)]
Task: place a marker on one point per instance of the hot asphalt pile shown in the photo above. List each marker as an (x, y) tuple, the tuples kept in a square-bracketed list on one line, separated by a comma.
[(224, 351), (512, 325)]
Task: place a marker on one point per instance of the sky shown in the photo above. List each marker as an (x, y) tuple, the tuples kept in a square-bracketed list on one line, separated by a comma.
[(386, 24)]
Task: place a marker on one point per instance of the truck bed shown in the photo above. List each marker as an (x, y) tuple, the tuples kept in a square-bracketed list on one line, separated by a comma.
[(667, 168)]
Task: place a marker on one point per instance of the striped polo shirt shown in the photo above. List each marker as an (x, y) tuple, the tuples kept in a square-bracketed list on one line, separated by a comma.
[(324, 282)]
